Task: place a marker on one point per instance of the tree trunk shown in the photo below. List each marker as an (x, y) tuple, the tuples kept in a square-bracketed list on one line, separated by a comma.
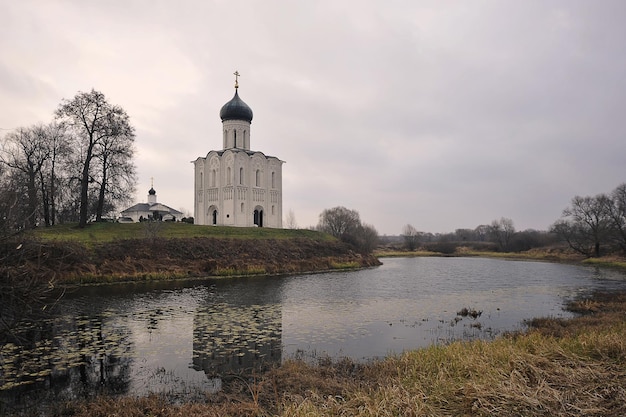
[(45, 202), (52, 196), (32, 201), (102, 193), (84, 189)]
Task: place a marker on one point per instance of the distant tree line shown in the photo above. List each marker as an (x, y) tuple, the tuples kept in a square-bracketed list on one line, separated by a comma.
[(500, 235), (78, 167), (592, 226)]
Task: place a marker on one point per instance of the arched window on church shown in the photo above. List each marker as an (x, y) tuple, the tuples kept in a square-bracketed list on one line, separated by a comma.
[(201, 181), (241, 176), (258, 178), (245, 138), (225, 137), (213, 174), (242, 207), (273, 179), (273, 210), (228, 176), (235, 137)]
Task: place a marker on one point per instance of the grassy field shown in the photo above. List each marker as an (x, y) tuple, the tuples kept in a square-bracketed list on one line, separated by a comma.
[(574, 367), (106, 232)]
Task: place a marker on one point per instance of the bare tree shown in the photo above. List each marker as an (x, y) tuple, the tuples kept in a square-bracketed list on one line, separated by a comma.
[(26, 151), (56, 140), (68, 191), (345, 225), (586, 224), (12, 201), (117, 175), (411, 237), (617, 215), (339, 222), (290, 220), (501, 231), (482, 232), (93, 121), (367, 238)]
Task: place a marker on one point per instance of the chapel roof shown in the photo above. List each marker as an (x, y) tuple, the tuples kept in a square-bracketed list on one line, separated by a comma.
[(148, 207)]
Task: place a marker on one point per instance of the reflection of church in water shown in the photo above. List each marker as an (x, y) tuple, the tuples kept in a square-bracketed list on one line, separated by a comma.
[(231, 339), (236, 186)]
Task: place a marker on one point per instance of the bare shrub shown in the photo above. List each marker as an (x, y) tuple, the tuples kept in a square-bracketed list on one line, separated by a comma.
[(25, 286)]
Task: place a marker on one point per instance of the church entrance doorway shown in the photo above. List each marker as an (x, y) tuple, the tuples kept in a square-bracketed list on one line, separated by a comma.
[(213, 215), (258, 217)]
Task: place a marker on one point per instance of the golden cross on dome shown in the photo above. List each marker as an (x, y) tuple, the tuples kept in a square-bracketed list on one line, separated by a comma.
[(151, 182), (236, 74)]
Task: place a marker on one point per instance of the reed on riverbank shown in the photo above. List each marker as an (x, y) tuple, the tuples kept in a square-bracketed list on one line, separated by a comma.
[(560, 367)]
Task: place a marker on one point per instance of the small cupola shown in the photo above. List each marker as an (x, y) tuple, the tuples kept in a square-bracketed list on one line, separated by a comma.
[(152, 199)]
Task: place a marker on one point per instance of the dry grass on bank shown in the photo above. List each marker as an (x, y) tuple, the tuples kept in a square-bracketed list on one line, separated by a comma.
[(538, 254), (610, 261), (559, 368)]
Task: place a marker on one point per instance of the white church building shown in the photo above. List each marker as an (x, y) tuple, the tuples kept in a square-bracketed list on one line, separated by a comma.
[(237, 186)]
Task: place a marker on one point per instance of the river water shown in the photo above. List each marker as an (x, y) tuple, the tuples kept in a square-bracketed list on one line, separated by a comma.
[(184, 338)]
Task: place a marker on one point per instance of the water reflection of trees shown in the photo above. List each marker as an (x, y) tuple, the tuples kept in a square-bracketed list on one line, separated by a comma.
[(233, 339), (63, 358), (89, 347)]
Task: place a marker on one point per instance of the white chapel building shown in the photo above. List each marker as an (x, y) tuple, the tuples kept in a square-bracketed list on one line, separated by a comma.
[(236, 186), (152, 210)]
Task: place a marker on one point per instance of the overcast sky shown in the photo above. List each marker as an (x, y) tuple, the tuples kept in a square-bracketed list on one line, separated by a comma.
[(439, 114)]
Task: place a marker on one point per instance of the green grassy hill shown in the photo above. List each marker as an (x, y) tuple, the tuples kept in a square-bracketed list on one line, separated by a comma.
[(106, 232), (113, 252)]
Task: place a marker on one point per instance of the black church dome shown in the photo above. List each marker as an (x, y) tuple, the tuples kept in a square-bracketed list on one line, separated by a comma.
[(236, 109), (151, 191)]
